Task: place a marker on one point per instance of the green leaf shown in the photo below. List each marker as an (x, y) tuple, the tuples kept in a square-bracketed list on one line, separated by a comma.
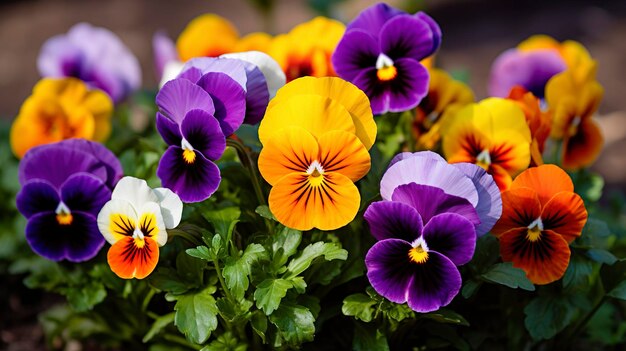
[(167, 279), (548, 315), (264, 211), (330, 251), (269, 294), (368, 338), (236, 272), (299, 284), (602, 256), (288, 240), (190, 269), (618, 292), (506, 274), (295, 323), (258, 321), (158, 325), (83, 297), (470, 288), (223, 220), (201, 252), (359, 306), (444, 315), (578, 271), (613, 277), (225, 342), (196, 315)]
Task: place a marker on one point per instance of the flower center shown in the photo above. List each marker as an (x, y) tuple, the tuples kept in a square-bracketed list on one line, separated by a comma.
[(385, 70), (189, 155), (534, 230), (483, 159), (64, 215), (315, 172), (139, 238), (419, 252), (573, 127)]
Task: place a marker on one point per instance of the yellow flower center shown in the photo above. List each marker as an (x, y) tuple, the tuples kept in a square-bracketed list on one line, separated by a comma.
[(189, 156), (315, 172), (419, 252), (483, 159), (534, 230), (64, 215), (385, 70)]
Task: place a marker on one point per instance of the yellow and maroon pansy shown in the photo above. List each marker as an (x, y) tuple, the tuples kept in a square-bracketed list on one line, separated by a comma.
[(59, 109), (307, 48), (206, 35), (573, 104), (445, 96), (493, 134), (134, 222)]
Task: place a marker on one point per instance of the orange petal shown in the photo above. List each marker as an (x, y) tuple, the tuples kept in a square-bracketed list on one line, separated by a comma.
[(565, 214), (546, 180), (133, 258), (206, 35), (583, 149), (291, 150), (302, 202), (344, 153), (520, 207), (501, 176), (544, 260)]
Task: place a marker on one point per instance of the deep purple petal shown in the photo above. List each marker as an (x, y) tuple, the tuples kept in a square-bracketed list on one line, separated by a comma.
[(169, 130), (178, 96), (164, 51), (108, 160), (79, 241), (451, 235), (378, 93), (489, 205), (435, 283), (229, 99), (257, 94), (430, 201), (530, 69), (55, 163), (406, 36), (357, 51), (388, 220), (84, 192), (426, 169), (193, 182), (37, 196), (389, 269), (192, 74), (373, 18), (434, 27), (204, 134)]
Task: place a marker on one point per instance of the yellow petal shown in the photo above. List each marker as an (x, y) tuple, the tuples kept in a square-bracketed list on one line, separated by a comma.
[(292, 149), (343, 153), (302, 203), (345, 93), (315, 113), (206, 35), (101, 107), (257, 41), (538, 42)]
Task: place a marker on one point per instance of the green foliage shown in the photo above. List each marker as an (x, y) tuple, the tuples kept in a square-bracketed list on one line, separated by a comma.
[(196, 314), (506, 274)]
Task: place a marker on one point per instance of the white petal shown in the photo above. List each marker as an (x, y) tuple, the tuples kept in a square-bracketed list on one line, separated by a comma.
[(153, 210), (171, 71), (274, 75), (116, 219), (171, 207), (134, 190)]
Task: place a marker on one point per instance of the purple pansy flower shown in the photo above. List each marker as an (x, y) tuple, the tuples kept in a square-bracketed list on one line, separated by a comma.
[(94, 55), (380, 53), (529, 69), (187, 123), (420, 246), (464, 180), (64, 186)]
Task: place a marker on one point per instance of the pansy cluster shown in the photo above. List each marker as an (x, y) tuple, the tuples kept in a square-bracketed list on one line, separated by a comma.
[(427, 225), (316, 134)]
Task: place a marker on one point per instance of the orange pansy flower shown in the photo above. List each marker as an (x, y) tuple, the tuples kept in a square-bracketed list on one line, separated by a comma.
[(541, 215)]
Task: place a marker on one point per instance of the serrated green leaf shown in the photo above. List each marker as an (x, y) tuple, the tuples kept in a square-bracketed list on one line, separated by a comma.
[(506, 274), (167, 279), (85, 296), (286, 240), (201, 252), (444, 315), (368, 338), (196, 315), (578, 271), (470, 288), (258, 321), (360, 306), (269, 294), (264, 211), (295, 323), (547, 315), (225, 342), (299, 284), (223, 220), (158, 325), (236, 271), (330, 251)]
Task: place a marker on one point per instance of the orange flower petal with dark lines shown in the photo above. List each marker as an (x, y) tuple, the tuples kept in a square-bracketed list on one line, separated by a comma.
[(133, 258), (546, 180), (520, 207), (565, 214), (583, 148)]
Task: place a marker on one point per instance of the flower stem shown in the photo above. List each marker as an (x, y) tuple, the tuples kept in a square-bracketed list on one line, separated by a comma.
[(218, 269), (586, 319), (181, 341)]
